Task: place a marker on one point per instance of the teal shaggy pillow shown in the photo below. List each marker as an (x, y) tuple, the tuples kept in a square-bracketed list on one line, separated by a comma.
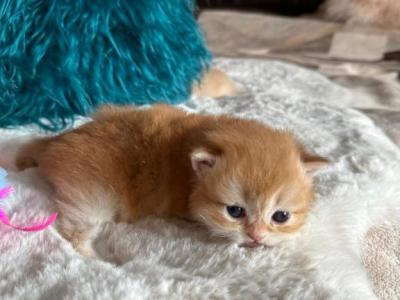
[(61, 58)]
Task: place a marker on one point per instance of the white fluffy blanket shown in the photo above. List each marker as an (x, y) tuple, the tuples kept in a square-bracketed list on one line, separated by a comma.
[(170, 259)]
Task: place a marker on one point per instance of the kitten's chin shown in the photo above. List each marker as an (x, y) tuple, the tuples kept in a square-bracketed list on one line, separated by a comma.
[(253, 245), (267, 243)]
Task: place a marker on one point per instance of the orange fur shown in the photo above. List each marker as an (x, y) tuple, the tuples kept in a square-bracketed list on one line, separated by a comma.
[(130, 163), (216, 84)]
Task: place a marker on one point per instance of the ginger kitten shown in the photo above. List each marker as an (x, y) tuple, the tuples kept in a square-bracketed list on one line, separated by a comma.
[(243, 180)]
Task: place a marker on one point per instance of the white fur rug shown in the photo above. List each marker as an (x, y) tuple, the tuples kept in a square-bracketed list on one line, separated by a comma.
[(169, 259)]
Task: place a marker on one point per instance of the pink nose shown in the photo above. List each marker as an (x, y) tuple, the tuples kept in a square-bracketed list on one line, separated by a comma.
[(257, 231), (255, 237)]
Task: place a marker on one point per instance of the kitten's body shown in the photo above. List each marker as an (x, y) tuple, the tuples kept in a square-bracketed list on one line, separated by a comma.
[(128, 164)]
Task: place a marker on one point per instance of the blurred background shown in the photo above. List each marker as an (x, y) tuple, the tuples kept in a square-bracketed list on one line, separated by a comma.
[(354, 43)]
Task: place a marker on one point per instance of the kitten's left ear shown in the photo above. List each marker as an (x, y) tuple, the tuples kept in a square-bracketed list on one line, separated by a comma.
[(312, 163), (202, 160)]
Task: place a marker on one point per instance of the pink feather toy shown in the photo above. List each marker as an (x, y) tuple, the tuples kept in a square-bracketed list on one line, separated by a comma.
[(5, 190)]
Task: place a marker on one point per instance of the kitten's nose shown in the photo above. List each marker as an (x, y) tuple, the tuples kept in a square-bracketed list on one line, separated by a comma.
[(257, 231), (255, 237)]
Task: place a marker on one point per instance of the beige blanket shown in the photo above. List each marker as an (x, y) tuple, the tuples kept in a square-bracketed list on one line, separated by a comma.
[(382, 259)]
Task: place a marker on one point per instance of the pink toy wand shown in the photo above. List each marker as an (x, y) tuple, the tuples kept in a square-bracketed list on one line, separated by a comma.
[(5, 190)]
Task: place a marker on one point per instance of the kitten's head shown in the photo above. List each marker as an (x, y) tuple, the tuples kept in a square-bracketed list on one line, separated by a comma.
[(253, 185)]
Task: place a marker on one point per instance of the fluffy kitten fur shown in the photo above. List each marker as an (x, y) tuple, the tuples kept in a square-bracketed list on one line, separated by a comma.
[(128, 164), (385, 13), (215, 83)]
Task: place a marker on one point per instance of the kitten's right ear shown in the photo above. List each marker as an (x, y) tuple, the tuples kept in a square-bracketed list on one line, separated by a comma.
[(313, 163), (202, 160)]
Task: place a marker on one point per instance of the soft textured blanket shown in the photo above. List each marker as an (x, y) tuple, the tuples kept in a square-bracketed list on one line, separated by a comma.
[(170, 259)]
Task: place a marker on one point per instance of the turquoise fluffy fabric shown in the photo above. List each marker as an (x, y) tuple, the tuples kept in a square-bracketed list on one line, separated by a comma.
[(62, 58)]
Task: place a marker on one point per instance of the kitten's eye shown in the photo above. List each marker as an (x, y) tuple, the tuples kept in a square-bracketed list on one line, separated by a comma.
[(236, 211), (280, 216)]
